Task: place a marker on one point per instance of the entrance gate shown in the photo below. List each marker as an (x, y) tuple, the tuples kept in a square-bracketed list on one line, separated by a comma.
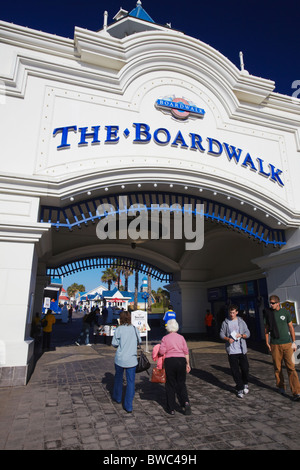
[(83, 214), (109, 261)]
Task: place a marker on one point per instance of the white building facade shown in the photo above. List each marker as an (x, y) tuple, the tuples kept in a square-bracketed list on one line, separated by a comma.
[(138, 113)]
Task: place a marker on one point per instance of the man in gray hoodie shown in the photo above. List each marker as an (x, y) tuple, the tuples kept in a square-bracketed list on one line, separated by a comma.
[(235, 331)]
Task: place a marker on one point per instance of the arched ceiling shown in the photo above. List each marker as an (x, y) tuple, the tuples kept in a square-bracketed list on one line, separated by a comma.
[(86, 212), (231, 238)]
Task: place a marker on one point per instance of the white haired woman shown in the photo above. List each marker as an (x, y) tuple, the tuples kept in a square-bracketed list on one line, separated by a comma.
[(177, 364)]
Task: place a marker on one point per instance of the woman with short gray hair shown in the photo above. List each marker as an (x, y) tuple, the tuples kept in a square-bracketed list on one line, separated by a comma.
[(177, 365)]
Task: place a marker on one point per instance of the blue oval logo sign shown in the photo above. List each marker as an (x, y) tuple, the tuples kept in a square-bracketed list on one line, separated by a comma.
[(180, 108)]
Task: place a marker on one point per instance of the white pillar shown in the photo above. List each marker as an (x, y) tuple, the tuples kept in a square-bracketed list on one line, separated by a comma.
[(19, 237), (18, 262), (189, 300)]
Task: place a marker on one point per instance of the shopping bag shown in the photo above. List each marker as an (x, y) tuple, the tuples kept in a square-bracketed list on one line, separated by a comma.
[(158, 376)]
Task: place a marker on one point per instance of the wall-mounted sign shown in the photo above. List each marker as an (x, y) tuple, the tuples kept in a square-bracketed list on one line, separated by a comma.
[(141, 133), (241, 289), (180, 108), (291, 307)]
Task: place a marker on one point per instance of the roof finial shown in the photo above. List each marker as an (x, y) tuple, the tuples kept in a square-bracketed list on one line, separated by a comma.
[(105, 21), (242, 61)]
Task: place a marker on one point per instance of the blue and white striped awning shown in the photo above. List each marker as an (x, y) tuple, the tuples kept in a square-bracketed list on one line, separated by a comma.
[(83, 213)]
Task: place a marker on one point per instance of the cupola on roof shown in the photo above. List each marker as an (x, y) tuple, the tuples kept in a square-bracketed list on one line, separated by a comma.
[(136, 21), (139, 12)]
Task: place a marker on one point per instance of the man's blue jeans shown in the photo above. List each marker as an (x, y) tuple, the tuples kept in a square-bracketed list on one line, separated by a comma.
[(130, 388)]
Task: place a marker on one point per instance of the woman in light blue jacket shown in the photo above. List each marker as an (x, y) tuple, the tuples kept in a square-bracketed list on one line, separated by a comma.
[(125, 339)]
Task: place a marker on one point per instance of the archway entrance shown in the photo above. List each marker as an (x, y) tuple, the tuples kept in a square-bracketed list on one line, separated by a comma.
[(95, 262), (84, 212), (232, 239)]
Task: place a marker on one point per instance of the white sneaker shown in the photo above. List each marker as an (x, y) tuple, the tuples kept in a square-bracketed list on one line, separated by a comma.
[(240, 393), (88, 344), (246, 390)]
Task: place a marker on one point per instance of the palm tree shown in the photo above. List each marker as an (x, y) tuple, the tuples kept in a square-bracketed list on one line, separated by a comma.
[(127, 272), (118, 270), (154, 295), (74, 288), (109, 276), (163, 296), (121, 271)]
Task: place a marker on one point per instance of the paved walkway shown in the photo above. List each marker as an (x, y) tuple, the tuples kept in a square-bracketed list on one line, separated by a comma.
[(67, 405)]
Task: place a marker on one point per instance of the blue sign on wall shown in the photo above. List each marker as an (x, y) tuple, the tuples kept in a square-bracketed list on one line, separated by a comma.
[(141, 133), (180, 108)]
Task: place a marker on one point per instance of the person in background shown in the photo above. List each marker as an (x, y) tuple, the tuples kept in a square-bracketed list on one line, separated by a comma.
[(70, 314), (208, 320), (169, 315), (36, 326), (104, 315), (47, 324), (125, 339), (88, 320), (103, 321), (177, 365), (234, 331), (280, 340)]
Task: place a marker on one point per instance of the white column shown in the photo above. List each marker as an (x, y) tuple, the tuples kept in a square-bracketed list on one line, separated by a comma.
[(19, 237), (189, 300), (18, 263)]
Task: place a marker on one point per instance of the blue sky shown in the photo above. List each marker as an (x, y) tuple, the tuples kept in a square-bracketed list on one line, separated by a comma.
[(92, 279), (266, 31)]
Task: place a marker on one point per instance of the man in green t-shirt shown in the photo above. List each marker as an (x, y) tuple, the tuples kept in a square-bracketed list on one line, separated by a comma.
[(280, 340)]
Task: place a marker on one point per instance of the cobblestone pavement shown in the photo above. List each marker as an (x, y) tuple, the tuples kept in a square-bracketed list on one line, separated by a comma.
[(67, 405)]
